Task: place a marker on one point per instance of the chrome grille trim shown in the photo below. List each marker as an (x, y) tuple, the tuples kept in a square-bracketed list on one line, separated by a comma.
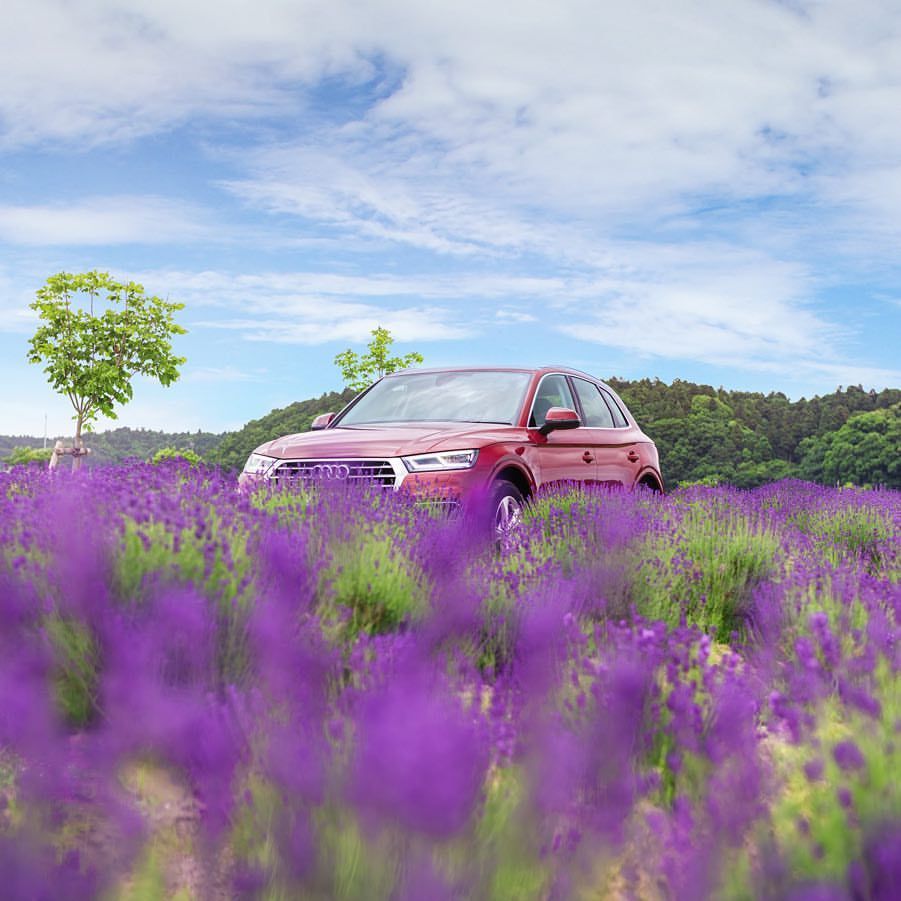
[(388, 472)]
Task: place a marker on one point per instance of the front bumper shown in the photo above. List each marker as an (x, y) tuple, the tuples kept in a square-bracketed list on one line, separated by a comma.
[(385, 472)]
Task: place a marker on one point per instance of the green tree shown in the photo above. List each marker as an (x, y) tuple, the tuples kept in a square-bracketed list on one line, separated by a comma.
[(360, 372), (708, 443), (95, 335), (866, 450), (166, 454), (22, 455)]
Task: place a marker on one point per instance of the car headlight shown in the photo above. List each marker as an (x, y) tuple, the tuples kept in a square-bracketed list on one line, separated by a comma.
[(258, 464), (458, 459)]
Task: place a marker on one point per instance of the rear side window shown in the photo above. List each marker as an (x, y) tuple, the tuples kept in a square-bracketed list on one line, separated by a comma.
[(618, 417), (597, 415), (552, 392)]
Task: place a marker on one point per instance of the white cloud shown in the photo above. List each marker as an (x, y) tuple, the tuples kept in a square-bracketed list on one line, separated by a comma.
[(100, 70), (705, 304), (584, 110), (220, 374), (590, 105), (485, 124), (211, 287), (514, 316), (728, 309), (102, 221), (340, 325)]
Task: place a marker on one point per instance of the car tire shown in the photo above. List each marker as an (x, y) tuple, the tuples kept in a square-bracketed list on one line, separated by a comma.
[(506, 508)]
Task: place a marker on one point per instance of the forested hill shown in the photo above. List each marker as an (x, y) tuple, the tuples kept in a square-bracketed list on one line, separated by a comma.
[(703, 434), (117, 445), (748, 438)]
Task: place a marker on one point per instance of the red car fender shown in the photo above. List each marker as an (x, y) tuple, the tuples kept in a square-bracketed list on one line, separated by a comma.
[(513, 461), (649, 471)]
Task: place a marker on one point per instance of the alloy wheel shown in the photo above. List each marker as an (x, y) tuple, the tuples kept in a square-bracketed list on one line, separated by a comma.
[(507, 517)]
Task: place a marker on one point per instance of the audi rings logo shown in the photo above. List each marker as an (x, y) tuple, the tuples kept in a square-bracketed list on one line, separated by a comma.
[(329, 471)]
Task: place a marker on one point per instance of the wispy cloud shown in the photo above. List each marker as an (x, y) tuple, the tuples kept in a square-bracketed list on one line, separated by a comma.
[(498, 122), (706, 303), (102, 221), (404, 325), (222, 374)]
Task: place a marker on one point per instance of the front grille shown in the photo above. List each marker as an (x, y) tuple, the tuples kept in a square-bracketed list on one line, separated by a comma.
[(379, 472)]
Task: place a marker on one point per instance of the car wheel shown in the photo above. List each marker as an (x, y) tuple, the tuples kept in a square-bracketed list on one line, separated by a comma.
[(507, 505)]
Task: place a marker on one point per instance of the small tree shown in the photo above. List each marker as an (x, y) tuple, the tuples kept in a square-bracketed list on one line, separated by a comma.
[(166, 454), (24, 455), (361, 371), (95, 335)]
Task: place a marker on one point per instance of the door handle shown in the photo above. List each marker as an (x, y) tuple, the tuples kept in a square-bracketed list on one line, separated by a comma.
[(588, 457), (633, 456)]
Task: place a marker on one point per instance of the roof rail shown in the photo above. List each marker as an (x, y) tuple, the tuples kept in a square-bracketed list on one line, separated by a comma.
[(570, 368)]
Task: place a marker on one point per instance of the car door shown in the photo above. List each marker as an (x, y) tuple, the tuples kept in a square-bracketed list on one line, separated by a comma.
[(626, 440), (610, 443), (564, 455)]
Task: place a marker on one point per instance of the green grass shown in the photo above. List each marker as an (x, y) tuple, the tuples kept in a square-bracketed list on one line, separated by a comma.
[(370, 586), (855, 532), (77, 664), (705, 570)]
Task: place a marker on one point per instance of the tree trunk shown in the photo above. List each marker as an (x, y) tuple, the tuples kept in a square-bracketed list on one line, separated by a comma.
[(76, 444)]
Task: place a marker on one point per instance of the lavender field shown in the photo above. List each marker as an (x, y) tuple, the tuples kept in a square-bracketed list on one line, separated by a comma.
[(341, 695)]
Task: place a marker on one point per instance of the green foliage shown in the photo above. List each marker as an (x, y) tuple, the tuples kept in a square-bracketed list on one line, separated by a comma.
[(784, 432), (707, 442), (508, 844), (23, 455), (859, 533), (752, 474), (172, 453), (119, 445), (865, 451), (360, 372), (706, 570), (76, 672), (372, 587), (91, 356)]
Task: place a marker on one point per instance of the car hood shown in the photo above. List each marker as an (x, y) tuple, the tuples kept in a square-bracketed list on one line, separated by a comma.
[(393, 441)]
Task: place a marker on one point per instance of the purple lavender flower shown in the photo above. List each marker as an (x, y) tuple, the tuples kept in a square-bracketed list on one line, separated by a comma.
[(814, 769), (848, 756), (420, 760)]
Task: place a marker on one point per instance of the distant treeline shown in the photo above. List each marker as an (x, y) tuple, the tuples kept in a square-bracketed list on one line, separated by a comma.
[(118, 445), (748, 438), (703, 434)]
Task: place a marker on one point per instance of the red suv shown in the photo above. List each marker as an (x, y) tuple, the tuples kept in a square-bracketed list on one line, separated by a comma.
[(449, 433)]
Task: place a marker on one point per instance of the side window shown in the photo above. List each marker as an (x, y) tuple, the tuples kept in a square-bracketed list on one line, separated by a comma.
[(552, 392), (618, 417), (597, 416)]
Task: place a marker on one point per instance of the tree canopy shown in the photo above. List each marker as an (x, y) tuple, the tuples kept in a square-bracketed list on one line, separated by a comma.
[(360, 372), (96, 334), (866, 450)]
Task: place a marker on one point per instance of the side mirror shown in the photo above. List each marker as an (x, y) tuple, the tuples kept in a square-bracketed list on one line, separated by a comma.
[(322, 421), (560, 418)]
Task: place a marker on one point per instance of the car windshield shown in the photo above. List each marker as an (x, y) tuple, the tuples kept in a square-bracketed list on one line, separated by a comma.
[(465, 396)]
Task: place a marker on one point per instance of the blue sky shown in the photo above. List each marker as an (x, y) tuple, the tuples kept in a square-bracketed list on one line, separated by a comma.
[(690, 190)]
